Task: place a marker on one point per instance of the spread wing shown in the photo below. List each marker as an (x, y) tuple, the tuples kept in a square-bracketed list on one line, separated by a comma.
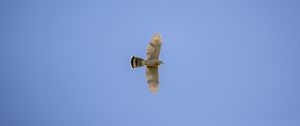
[(154, 47), (152, 79)]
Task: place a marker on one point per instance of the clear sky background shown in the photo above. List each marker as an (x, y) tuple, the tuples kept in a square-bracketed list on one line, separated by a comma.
[(227, 63)]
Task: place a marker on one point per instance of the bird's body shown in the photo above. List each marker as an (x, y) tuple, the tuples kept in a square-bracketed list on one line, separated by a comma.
[(152, 62)]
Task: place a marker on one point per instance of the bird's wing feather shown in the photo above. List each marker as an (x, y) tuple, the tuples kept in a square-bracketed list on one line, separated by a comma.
[(153, 48), (152, 79)]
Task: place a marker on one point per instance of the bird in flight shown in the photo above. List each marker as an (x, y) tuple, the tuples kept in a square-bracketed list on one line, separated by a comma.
[(151, 62)]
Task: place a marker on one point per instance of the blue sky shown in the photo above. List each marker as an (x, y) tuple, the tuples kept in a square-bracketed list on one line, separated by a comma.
[(227, 63)]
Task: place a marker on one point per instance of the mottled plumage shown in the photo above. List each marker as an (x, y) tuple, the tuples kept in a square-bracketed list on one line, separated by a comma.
[(152, 62), (153, 49)]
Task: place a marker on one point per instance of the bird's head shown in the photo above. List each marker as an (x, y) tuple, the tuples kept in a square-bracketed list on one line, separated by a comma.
[(161, 62)]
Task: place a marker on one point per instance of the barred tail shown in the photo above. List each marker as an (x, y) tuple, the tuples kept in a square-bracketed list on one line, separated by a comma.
[(137, 62)]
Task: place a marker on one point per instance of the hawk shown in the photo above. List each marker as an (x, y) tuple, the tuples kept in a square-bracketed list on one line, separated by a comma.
[(151, 62)]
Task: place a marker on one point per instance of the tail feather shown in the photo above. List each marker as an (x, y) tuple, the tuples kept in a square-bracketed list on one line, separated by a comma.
[(137, 62)]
